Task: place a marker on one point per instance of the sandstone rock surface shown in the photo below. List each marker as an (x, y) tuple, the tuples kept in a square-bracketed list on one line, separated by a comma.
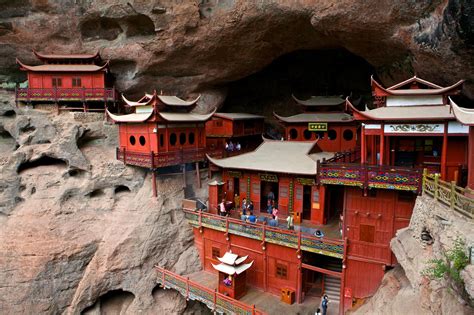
[(79, 230)]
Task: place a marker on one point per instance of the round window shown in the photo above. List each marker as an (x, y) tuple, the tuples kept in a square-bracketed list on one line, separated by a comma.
[(173, 139), (191, 138), (348, 135), (133, 140), (332, 134), (182, 138), (307, 134), (142, 140), (293, 134)]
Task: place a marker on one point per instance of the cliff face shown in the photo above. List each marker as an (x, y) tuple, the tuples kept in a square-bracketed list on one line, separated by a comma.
[(405, 290), (78, 229), (201, 46)]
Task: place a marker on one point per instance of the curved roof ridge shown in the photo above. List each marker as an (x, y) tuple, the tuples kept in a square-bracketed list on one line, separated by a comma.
[(464, 115)]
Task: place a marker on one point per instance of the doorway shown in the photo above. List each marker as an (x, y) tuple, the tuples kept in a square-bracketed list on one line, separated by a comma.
[(306, 202), (265, 189), (236, 186)]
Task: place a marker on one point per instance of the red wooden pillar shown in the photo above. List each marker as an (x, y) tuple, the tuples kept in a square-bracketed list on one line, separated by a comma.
[(444, 152), (382, 145), (299, 272), (322, 205), (470, 162), (373, 154), (153, 183), (363, 149)]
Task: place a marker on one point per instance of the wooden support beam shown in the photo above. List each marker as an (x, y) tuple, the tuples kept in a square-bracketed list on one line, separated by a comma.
[(444, 153), (153, 183), (323, 271), (198, 175)]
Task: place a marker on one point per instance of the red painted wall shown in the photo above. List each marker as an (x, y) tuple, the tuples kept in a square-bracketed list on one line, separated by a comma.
[(336, 145), (44, 80), (264, 261)]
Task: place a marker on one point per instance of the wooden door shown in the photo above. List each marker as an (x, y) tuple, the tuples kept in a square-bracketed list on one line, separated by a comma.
[(298, 202), (283, 196)]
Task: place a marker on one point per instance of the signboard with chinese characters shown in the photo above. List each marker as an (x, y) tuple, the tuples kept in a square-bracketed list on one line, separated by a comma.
[(306, 181), (269, 178), (234, 174), (318, 126)]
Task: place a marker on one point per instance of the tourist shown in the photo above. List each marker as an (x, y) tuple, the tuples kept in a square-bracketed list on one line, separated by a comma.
[(318, 233), (271, 196), (231, 146), (236, 202), (324, 304), (269, 207), (289, 222), (275, 213), (222, 210), (244, 206), (226, 146), (250, 207), (318, 311), (238, 146)]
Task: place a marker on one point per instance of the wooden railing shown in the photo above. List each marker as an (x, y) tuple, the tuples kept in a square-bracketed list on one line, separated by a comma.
[(263, 233), (214, 300), (349, 156), (155, 160), (66, 94), (370, 176), (458, 199)]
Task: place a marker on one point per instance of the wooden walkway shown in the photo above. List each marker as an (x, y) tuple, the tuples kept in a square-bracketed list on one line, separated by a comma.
[(265, 301)]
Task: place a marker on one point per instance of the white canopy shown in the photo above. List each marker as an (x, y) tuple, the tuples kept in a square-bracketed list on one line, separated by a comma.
[(231, 270)]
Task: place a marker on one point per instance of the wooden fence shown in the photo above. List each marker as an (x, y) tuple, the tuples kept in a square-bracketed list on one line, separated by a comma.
[(214, 300), (457, 198)]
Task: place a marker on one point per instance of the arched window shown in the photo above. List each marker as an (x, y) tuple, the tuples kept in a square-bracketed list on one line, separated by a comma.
[(182, 138), (348, 135), (173, 139), (293, 133), (132, 140), (191, 138), (332, 134), (142, 140), (307, 134)]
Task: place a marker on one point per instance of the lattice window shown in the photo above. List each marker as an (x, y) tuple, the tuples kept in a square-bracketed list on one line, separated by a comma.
[(57, 82), (367, 233), (316, 196), (283, 191), (76, 82), (281, 271), (299, 193), (216, 252)]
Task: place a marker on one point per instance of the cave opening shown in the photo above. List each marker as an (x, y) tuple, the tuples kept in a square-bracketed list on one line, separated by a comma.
[(42, 161), (113, 302), (303, 73), (121, 189)]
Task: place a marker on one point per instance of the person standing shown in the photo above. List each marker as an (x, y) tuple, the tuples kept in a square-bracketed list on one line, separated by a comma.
[(324, 304), (289, 222), (275, 213), (236, 202), (222, 209), (318, 311), (238, 146), (244, 206), (250, 207), (269, 207), (271, 196)]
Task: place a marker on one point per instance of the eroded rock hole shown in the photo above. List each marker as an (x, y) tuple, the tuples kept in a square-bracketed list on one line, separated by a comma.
[(113, 302), (9, 113), (88, 139), (121, 189), (100, 28), (303, 73), (42, 161), (139, 25), (96, 193), (27, 129)]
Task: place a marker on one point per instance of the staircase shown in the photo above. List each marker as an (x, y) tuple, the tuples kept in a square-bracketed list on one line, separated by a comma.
[(332, 285)]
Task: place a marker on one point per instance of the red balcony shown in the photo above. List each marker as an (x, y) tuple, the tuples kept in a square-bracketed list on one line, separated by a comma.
[(371, 176), (156, 160), (66, 94)]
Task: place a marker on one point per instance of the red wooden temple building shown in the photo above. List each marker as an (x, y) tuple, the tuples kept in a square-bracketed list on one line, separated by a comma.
[(287, 169), (243, 130), (466, 117), (76, 81), (322, 118), (161, 131), (413, 126)]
